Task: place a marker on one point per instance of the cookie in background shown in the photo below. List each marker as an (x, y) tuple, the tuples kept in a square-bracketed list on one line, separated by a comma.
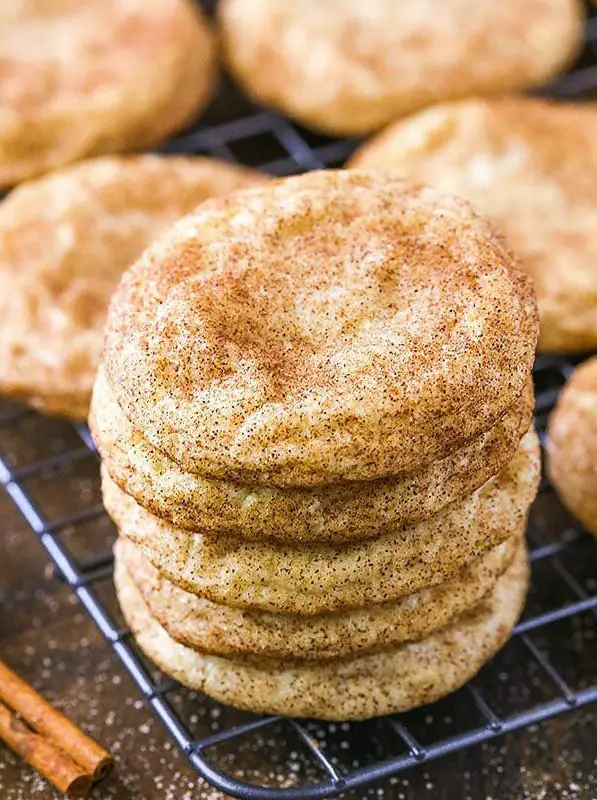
[(572, 445), (87, 77), (348, 67), (65, 240), (530, 165)]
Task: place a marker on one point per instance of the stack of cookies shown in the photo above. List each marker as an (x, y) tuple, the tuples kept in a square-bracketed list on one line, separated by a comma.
[(314, 415)]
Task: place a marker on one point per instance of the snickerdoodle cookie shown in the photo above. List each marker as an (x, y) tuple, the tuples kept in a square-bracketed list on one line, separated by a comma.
[(334, 513), (530, 165), (572, 445), (333, 326), (65, 240), (312, 579), (224, 630), (350, 67), (85, 77), (394, 680)]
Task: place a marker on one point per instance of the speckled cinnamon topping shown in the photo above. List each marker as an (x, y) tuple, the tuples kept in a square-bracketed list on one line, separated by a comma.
[(336, 513), (326, 327), (224, 630)]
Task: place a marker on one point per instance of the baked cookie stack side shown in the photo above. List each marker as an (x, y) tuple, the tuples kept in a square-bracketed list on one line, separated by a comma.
[(347, 67), (314, 415)]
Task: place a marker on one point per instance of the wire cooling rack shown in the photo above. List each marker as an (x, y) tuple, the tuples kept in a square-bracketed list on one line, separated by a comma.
[(49, 469)]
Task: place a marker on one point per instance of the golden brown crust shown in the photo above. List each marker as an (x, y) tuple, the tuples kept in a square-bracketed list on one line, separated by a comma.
[(222, 630), (348, 67), (336, 513), (572, 445), (316, 578), (65, 240), (84, 77), (531, 165), (331, 326), (367, 686)]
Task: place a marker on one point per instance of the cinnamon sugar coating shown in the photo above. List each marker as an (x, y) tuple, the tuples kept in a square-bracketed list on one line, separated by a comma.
[(316, 578), (224, 630), (328, 327), (335, 513)]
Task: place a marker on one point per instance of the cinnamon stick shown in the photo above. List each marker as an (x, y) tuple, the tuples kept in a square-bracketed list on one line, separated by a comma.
[(68, 777), (54, 726)]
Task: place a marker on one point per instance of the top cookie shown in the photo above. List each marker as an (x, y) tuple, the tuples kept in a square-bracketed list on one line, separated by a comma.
[(83, 77), (65, 240), (532, 166), (326, 327), (351, 66)]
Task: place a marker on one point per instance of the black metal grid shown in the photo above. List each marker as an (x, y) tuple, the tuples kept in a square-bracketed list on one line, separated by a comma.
[(545, 670)]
